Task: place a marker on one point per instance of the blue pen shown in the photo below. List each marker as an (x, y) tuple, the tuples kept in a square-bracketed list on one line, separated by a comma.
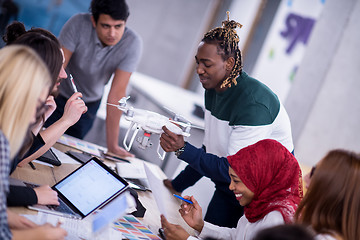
[(180, 197)]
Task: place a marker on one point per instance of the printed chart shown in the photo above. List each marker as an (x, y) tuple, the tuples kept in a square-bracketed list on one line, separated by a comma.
[(80, 145), (132, 229)]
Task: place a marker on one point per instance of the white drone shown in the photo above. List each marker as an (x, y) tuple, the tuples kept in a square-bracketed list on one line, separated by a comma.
[(150, 122)]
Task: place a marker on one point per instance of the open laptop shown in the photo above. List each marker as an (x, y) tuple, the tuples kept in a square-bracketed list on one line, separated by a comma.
[(84, 190)]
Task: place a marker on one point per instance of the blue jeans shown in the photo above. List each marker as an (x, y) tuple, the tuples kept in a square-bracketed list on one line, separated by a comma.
[(83, 126)]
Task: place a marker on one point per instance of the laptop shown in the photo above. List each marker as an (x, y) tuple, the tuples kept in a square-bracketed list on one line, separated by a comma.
[(84, 190)]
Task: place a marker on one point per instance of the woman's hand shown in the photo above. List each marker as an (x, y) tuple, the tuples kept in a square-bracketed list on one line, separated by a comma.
[(43, 232), (49, 232), (192, 214), (73, 109), (51, 106), (46, 195), (16, 221), (173, 231)]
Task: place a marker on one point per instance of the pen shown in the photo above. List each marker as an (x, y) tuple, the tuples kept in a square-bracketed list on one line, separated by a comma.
[(73, 84), (180, 197), (32, 165), (112, 157)]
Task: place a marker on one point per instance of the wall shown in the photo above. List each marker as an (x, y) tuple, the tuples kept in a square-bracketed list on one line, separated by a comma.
[(286, 43), (170, 30), (323, 102)]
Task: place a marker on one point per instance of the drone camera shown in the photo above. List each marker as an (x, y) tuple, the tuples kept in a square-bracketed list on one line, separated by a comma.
[(144, 140)]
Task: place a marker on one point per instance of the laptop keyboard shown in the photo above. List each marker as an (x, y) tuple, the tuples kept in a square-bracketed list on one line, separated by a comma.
[(61, 208), (31, 185)]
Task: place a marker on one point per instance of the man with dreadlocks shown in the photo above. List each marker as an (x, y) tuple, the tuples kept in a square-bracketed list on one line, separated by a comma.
[(240, 111)]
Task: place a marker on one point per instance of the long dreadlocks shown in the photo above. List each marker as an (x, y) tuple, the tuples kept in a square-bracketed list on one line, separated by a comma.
[(227, 41)]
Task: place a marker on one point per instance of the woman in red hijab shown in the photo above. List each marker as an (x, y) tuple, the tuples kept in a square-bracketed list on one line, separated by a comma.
[(266, 180)]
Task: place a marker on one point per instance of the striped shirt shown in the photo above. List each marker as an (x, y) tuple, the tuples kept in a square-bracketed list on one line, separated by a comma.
[(4, 186), (243, 115)]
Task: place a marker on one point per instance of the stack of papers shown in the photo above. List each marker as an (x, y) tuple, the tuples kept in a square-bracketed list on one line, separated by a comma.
[(131, 170)]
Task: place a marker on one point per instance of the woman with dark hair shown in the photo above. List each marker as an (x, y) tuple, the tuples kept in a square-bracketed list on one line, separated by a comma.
[(48, 48), (266, 181), (285, 232), (331, 204), (43, 42)]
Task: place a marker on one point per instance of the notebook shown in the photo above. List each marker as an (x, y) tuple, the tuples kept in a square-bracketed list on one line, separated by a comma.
[(84, 190)]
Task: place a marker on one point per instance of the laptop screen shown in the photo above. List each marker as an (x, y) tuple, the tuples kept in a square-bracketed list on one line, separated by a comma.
[(90, 186)]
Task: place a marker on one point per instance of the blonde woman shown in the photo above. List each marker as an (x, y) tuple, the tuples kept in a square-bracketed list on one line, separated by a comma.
[(24, 85)]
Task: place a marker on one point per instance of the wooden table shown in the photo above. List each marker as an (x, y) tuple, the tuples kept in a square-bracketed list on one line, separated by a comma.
[(51, 175)]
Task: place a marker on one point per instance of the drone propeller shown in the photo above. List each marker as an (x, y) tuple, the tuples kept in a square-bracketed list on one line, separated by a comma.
[(174, 113), (183, 124), (124, 100)]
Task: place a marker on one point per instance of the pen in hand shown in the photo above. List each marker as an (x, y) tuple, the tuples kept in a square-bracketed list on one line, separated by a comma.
[(73, 85), (186, 200)]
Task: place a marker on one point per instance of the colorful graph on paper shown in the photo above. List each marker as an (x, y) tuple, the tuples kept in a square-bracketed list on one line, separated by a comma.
[(132, 229), (84, 146)]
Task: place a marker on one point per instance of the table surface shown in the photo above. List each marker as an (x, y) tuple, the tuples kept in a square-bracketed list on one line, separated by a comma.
[(50, 175)]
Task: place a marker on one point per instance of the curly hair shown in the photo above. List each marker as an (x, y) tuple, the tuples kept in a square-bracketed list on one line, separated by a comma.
[(227, 42)]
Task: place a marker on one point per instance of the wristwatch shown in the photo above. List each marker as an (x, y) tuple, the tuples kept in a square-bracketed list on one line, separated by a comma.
[(180, 150)]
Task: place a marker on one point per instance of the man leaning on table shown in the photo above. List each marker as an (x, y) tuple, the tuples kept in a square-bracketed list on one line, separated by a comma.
[(96, 46)]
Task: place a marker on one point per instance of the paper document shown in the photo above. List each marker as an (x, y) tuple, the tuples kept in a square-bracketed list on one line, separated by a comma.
[(82, 145), (112, 211), (131, 170), (64, 158), (43, 163), (160, 192)]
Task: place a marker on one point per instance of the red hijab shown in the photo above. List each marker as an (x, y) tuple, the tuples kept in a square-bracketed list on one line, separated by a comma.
[(273, 174)]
